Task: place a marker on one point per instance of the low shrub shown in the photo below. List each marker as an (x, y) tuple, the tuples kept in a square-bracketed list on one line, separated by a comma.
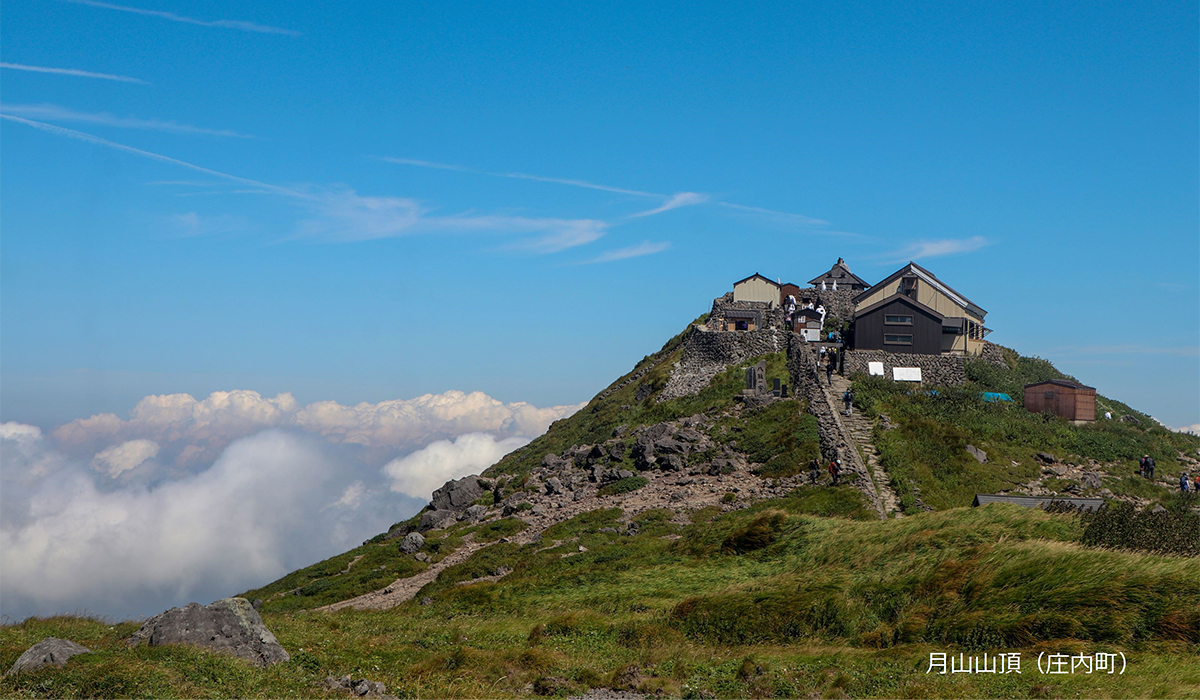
[(632, 483), (758, 533)]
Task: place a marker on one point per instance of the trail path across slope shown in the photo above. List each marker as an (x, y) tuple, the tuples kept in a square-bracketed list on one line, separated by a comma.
[(862, 430)]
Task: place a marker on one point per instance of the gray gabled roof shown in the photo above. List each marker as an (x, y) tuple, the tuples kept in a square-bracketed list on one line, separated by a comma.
[(1061, 382), (840, 273), (932, 280), (982, 499), (756, 275)]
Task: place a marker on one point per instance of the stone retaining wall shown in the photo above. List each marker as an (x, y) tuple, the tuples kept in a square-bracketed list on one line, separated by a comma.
[(936, 370), (707, 353)]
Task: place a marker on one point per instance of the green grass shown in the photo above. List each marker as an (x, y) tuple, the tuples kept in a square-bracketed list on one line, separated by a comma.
[(777, 436), (829, 607), (927, 450), (626, 485)]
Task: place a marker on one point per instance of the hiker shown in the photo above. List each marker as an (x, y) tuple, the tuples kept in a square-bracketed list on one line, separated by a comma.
[(829, 372), (1142, 466), (1108, 415), (814, 469), (1149, 467), (848, 399), (835, 470), (1183, 482), (1196, 483)]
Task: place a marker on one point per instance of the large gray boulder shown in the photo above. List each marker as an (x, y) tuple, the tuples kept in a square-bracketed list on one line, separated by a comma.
[(48, 652), (436, 519), (231, 626), (458, 494), (412, 542)]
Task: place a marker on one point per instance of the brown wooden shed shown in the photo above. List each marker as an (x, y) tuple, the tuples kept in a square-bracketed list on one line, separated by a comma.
[(1062, 397)]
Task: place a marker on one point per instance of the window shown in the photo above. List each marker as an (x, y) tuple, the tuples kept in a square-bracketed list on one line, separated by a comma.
[(897, 339), (903, 320), (742, 325)]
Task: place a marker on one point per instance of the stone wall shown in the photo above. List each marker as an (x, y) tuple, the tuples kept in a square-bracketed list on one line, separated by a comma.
[(770, 317), (936, 370), (832, 432), (838, 305), (707, 353), (992, 353)]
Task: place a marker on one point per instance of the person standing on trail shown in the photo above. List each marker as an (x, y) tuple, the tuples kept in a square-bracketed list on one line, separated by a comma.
[(829, 371), (1183, 482), (1142, 466), (848, 399), (814, 470), (835, 470), (1149, 467)]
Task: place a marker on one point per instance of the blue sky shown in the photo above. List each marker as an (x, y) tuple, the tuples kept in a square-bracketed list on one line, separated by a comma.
[(203, 196)]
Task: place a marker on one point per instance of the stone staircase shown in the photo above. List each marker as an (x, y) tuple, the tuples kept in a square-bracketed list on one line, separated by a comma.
[(862, 431)]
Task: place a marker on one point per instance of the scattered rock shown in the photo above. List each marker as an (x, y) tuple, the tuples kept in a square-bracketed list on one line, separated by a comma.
[(422, 557), (554, 487), (435, 520), (979, 455), (475, 513), (362, 687), (48, 652), (668, 446), (257, 604), (625, 474), (1158, 508), (582, 548), (458, 494), (1046, 457), (1129, 419), (426, 601), (672, 463), (230, 625), (1091, 480), (502, 570), (538, 510), (412, 542), (627, 678), (643, 392)]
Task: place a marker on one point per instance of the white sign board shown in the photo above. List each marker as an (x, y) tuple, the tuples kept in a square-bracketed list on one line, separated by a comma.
[(906, 374), (875, 369)]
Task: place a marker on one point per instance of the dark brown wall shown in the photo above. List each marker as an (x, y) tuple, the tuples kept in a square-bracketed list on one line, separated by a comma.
[(1069, 402), (787, 289), (926, 330)]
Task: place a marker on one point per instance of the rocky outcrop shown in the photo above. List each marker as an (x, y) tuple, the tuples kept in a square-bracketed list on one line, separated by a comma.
[(230, 626), (436, 520), (48, 652), (457, 494), (359, 687), (412, 542)]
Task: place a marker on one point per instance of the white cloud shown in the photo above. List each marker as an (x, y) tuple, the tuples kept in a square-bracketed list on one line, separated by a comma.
[(55, 113), (682, 199), (1194, 429), (341, 214), (932, 249), (121, 458), (637, 251), (195, 429), (221, 23), (419, 473), (72, 72), (249, 518), (351, 497), (519, 176)]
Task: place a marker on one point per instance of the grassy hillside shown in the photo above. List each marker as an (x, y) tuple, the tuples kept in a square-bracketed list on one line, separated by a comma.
[(757, 603), (926, 455)]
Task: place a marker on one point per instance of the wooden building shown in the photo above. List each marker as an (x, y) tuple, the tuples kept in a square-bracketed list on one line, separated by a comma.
[(899, 324), (757, 288), (840, 276), (1071, 400), (960, 321), (807, 322)]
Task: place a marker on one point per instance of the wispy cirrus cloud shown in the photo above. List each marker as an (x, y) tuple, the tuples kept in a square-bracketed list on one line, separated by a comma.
[(636, 251), (933, 249), (675, 201), (518, 176), (220, 23), (73, 72), (340, 214), (55, 113)]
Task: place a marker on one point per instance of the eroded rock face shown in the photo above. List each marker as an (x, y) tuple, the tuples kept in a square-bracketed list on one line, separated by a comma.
[(457, 494), (436, 519), (48, 652), (231, 626)]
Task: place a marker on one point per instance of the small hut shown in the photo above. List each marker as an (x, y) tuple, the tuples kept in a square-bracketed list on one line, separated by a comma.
[(1071, 400)]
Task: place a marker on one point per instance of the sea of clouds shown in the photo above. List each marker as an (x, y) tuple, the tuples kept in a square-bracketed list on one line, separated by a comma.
[(197, 499)]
